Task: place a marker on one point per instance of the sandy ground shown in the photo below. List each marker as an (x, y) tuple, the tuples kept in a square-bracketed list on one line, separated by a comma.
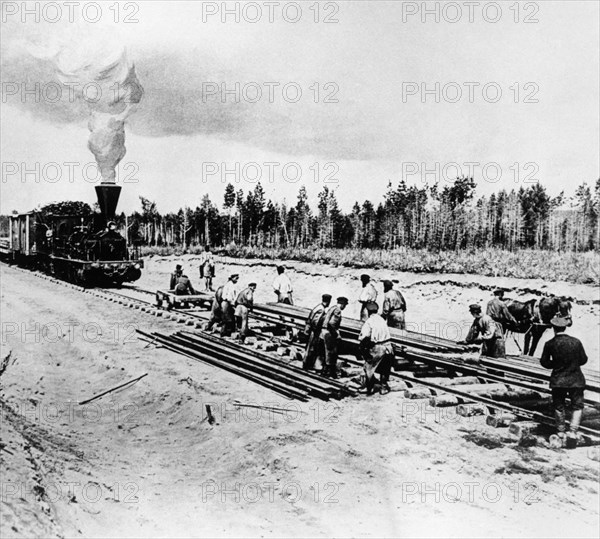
[(144, 462)]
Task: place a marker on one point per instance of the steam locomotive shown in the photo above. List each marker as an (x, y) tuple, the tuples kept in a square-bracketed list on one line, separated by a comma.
[(84, 248)]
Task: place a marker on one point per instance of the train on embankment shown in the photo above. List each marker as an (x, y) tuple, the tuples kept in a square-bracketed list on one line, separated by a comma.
[(82, 247)]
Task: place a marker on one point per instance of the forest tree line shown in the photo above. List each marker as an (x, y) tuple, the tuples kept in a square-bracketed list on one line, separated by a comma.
[(410, 216)]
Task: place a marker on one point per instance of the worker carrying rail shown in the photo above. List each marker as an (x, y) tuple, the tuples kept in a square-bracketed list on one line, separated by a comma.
[(243, 305), (565, 355), (375, 350), (312, 329)]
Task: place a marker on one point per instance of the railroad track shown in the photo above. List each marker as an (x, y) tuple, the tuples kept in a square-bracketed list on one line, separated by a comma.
[(436, 371)]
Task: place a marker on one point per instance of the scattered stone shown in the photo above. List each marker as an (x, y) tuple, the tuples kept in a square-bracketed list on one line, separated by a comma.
[(500, 420), (522, 428)]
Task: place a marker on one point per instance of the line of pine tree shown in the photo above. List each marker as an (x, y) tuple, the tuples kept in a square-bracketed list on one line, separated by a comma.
[(409, 216)]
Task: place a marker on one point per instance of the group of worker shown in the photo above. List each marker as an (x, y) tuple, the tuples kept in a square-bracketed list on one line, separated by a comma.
[(322, 330), (563, 354), (231, 306)]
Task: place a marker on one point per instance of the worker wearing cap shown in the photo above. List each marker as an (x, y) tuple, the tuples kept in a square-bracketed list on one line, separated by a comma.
[(312, 329), (367, 294), (216, 312), (331, 336), (565, 355), (394, 306), (175, 277), (230, 294), (487, 332), (376, 350), (282, 286), (243, 305), (497, 309)]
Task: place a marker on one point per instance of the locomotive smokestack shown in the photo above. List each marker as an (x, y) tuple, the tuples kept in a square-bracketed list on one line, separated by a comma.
[(108, 197)]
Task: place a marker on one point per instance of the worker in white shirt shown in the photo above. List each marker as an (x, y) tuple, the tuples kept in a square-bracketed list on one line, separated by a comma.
[(283, 287), (376, 350), (231, 292), (368, 294), (207, 268)]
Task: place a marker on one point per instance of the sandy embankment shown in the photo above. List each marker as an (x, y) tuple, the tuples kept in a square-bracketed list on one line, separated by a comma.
[(144, 462)]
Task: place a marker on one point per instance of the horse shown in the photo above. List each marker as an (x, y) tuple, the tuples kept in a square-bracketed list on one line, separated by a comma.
[(533, 318)]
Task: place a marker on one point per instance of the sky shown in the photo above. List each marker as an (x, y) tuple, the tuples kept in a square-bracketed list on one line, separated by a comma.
[(361, 121)]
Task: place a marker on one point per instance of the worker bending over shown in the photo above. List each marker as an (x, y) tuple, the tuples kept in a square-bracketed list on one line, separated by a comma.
[(376, 350), (243, 306)]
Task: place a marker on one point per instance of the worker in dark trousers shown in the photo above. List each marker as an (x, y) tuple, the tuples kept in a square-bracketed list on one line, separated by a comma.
[(282, 286), (565, 355), (394, 306), (216, 313), (207, 268), (243, 306), (184, 288), (331, 336), (175, 276), (229, 297), (375, 349), (486, 331), (312, 329), (498, 311)]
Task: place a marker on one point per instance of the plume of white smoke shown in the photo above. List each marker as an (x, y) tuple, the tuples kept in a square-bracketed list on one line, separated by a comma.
[(109, 84)]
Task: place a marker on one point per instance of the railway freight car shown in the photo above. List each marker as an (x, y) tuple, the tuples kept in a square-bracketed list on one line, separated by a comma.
[(80, 246)]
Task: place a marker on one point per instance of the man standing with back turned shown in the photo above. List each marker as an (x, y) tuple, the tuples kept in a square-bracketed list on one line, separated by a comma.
[(367, 295), (282, 286), (394, 306), (565, 355)]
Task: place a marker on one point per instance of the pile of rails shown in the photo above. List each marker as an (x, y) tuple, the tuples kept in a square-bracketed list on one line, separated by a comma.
[(350, 328), (287, 380)]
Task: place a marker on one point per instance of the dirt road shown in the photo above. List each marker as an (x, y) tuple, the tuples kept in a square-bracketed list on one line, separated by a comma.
[(144, 461)]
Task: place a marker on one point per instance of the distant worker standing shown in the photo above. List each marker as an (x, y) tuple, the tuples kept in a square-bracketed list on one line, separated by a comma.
[(230, 295), (207, 268), (376, 350), (498, 311), (313, 327), (243, 305), (282, 286), (331, 336), (565, 355), (175, 277), (216, 313), (487, 332), (367, 295), (394, 306)]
